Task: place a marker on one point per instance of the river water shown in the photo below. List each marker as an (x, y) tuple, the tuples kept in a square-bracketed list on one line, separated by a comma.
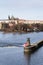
[(14, 53)]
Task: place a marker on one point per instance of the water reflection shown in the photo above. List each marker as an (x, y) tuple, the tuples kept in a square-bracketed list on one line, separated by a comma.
[(27, 58)]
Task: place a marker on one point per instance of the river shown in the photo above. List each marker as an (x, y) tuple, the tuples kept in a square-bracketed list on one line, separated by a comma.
[(14, 54)]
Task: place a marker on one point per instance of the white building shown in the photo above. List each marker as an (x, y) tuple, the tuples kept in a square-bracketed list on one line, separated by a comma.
[(31, 21), (23, 21), (7, 21)]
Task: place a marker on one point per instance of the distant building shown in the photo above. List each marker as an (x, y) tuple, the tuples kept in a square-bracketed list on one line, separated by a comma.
[(7, 21), (30, 21), (22, 21), (0, 25)]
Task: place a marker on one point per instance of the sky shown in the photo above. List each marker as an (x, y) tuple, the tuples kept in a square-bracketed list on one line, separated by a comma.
[(24, 9)]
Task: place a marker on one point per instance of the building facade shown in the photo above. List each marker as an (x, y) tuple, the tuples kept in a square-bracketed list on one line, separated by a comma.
[(22, 21)]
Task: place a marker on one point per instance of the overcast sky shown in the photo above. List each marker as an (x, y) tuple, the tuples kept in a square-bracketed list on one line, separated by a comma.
[(27, 9)]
